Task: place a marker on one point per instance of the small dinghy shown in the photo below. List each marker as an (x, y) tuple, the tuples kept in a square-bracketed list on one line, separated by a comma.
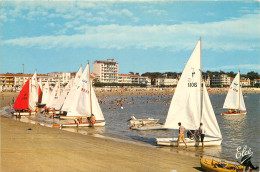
[(212, 165), (234, 99), (25, 103), (135, 122)]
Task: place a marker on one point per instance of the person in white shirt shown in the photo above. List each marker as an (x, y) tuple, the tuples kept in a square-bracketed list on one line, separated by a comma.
[(202, 133)]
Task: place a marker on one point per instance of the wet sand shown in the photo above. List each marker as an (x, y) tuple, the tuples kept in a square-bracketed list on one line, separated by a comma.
[(50, 149)]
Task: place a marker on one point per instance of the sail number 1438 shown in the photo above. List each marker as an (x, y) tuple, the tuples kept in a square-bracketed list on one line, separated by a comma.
[(192, 84)]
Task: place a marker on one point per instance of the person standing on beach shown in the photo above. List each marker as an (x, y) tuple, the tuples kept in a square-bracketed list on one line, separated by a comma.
[(202, 134), (92, 120), (181, 135)]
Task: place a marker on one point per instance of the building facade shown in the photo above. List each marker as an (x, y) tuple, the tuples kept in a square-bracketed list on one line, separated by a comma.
[(222, 80), (166, 81), (106, 71), (16, 81), (63, 77), (134, 79)]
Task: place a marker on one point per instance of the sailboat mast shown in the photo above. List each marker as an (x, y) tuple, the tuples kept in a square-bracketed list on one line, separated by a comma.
[(90, 90), (200, 83), (238, 90)]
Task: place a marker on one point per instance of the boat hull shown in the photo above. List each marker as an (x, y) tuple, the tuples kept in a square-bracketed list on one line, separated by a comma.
[(84, 124), (234, 114), (208, 141), (24, 113), (134, 122), (211, 165), (148, 127), (51, 112)]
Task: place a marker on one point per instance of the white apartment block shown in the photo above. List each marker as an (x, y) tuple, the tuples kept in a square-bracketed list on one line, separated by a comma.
[(106, 71), (221, 80), (64, 77), (166, 81), (134, 79)]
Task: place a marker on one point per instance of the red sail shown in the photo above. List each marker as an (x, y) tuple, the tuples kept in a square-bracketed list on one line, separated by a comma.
[(22, 101), (39, 95)]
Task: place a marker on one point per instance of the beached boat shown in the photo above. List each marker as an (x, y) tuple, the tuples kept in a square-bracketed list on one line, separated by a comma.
[(69, 97), (135, 122), (186, 106), (52, 99), (45, 94), (212, 165), (61, 99), (235, 100), (25, 102), (84, 103)]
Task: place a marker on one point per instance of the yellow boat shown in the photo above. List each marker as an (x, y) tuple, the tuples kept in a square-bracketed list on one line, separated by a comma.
[(212, 165)]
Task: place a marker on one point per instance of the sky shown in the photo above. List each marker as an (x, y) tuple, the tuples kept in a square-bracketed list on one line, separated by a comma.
[(142, 36)]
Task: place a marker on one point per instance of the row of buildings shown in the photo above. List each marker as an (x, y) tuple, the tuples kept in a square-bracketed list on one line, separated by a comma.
[(107, 72)]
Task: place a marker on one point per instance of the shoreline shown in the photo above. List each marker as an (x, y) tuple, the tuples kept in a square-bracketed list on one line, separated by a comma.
[(7, 97)]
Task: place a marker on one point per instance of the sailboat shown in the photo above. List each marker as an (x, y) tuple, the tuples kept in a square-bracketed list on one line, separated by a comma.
[(234, 99), (63, 95), (84, 103), (45, 94), (52, 100), (69, 97), (186, 106), (25, 104), (40, 93)]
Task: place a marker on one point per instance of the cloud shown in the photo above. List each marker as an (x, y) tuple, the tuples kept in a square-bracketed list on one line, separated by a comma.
[(219, 36), (156, 11)]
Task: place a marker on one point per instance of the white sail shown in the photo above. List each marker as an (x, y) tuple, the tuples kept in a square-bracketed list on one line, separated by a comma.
[(40, 83), (242, 105), (96, 110), (234, 99), (69, 98), (208, 119), (80, 104), (186, 102), (54, 96), (45, 93), (32, 104), (83, 104), (34, 87), (63, 95)]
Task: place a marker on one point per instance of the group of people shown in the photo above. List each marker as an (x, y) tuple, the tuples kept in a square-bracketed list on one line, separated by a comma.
[(201, 133)]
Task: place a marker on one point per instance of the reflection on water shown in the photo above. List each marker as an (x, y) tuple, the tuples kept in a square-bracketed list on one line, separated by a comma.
[(236, 130)]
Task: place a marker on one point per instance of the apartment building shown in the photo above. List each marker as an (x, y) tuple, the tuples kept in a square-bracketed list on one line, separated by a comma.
[(134, 79), (222, 80), (16, 81), (106, 71), (63, 77), (166, 81)]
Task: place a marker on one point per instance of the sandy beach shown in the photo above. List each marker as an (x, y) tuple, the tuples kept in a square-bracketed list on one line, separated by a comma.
[(50, 149)]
